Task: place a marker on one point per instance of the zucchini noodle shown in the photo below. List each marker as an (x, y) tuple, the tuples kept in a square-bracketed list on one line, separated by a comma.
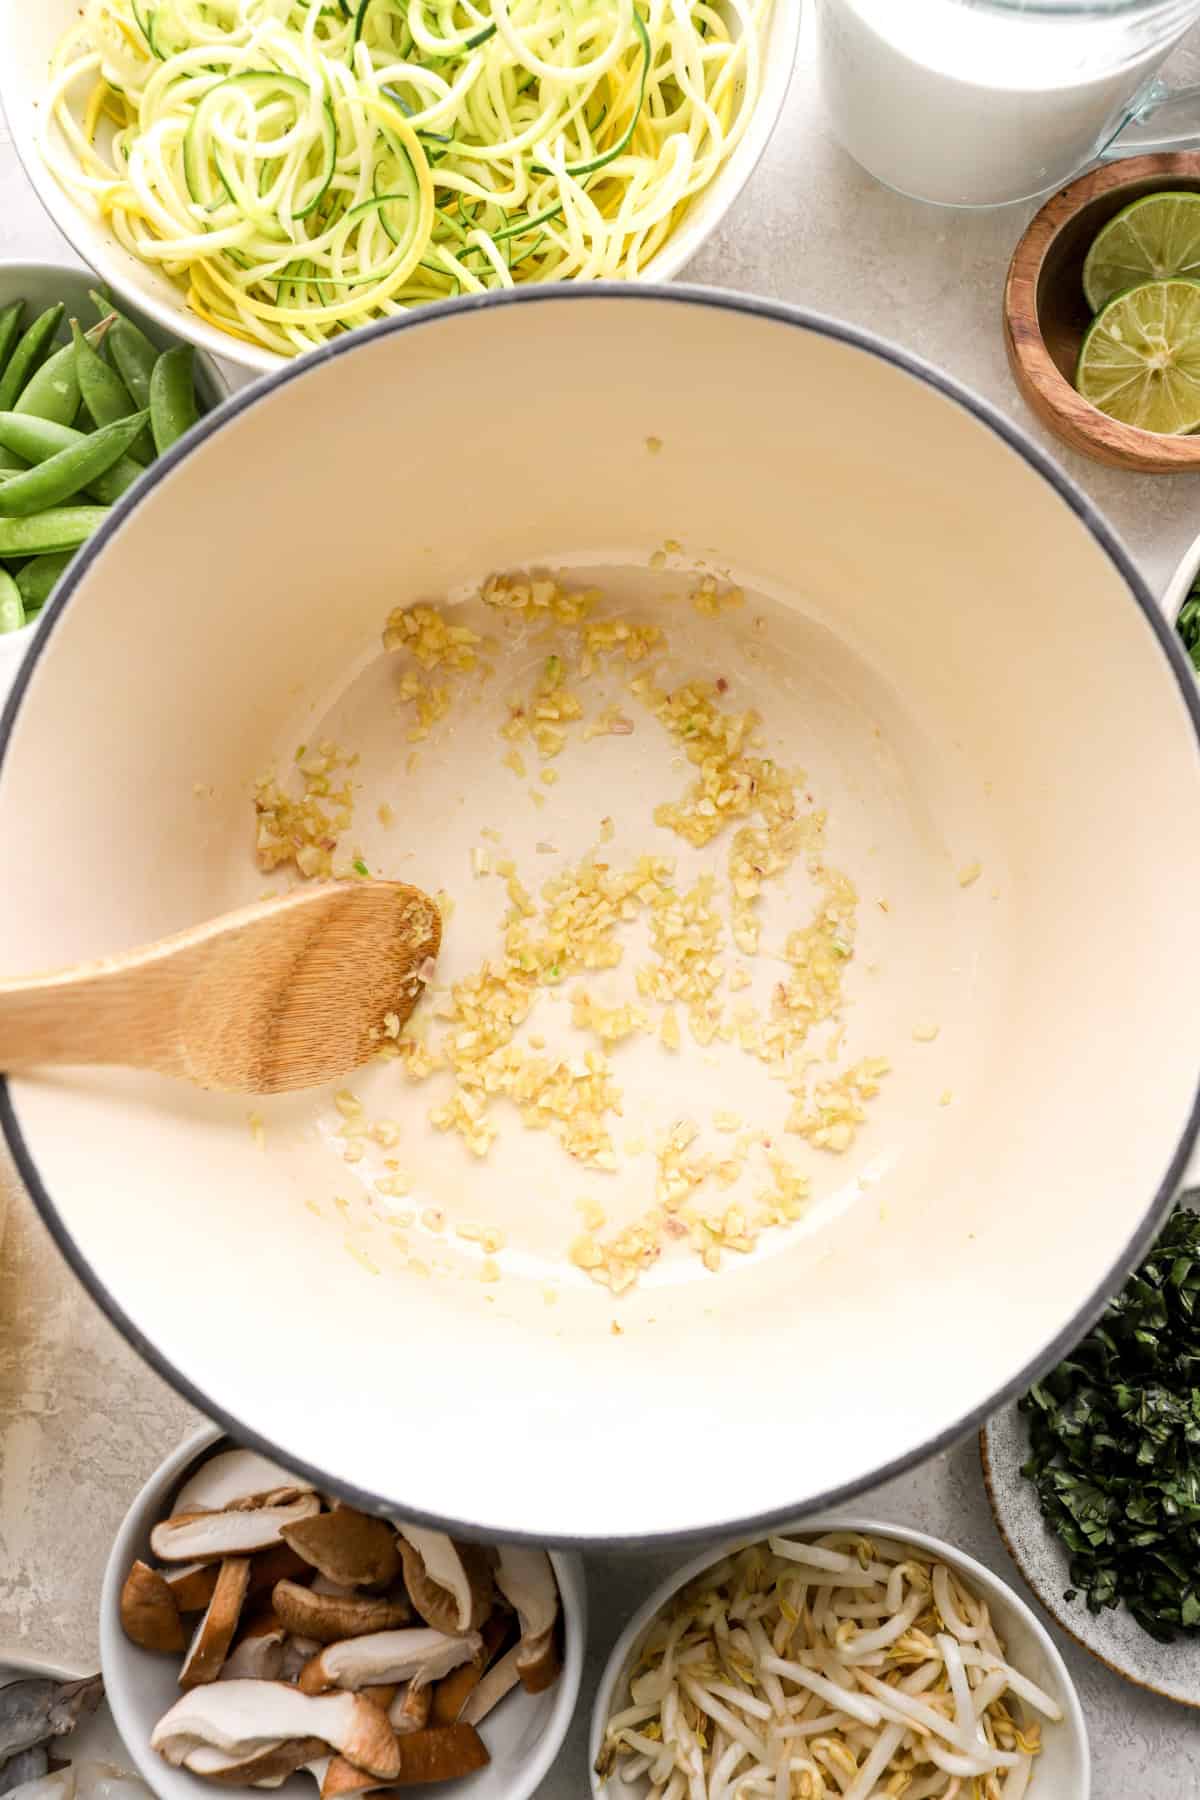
[(304, 166)]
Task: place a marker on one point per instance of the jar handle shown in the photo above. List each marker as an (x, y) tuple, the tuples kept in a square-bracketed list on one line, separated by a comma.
[(1162, 118)]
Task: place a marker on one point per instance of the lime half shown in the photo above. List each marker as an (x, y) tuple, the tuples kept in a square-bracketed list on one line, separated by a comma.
[(1150, 240), (1140, 361)]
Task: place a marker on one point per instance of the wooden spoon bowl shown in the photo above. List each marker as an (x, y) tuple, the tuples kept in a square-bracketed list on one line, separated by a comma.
[(1046, 315), (285, 994)]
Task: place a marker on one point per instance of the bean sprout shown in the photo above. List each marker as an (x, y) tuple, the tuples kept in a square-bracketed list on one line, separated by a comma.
[(304, 166), (841, 1669)]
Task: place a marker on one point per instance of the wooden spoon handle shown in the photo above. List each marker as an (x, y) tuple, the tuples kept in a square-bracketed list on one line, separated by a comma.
[(123, 1009)]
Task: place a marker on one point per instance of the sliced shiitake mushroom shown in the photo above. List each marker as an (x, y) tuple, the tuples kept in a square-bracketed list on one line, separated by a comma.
[(340, 1777), (209, 1536), (245, 1718), (257, 1653), (443, 1753), (450, 1693), (378, 1702), (382, 1694), (347, 1546), (450, 1584), (192, 1584), (214, 1634), (500, 1680), (149, 1614), (297, 1654), (264, 1768), (279, 1563), (410, 1710), (419, 1655), (526, 1579), (329, 1618), (237, 1478)]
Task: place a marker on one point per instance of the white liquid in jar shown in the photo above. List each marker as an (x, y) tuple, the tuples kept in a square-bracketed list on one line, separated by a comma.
[(977, 105)]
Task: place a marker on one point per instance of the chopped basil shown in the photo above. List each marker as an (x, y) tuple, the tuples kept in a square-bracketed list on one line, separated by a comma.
[(1188, 623), (1115, 1443)]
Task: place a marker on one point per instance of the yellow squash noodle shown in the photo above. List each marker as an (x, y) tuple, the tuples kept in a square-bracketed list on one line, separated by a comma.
[(304, 166)]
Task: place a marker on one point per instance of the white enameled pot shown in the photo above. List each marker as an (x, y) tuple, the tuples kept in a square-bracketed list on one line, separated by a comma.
[(991, 711), (28, 36)]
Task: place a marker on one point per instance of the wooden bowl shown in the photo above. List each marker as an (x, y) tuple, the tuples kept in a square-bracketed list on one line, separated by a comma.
[(1046, 315)]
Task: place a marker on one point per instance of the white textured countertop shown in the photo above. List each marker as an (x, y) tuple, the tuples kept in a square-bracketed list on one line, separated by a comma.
[(82, 1423)]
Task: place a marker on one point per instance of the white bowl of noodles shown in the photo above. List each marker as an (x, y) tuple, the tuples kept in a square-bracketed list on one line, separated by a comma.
[(871, 1650), (370, 205)]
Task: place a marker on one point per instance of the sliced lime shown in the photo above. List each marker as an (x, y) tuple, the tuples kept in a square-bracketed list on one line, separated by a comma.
[(1140, 361), (1150, 240)]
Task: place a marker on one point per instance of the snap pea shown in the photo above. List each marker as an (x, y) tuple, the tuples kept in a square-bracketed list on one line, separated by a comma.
[(9, 461), (12, 607), (52, 392), (135, 368), (10, 328), (37, 579), (172, 396), (104, 394), (58, 528), (29, 354), (66, 474), (135, 357), (132, 351), (38, 439)]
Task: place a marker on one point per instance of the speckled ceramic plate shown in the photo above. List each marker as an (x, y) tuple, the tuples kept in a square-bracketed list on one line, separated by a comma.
[(1113, 1637)]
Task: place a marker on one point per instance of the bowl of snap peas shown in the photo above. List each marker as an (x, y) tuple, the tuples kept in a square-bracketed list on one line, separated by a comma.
[(90, 395)]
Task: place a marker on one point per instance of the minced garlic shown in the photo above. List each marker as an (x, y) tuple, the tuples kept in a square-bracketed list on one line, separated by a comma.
[(531, 597), (477, 1036), (426, 634), (306, 830), (830, 1120), (708, 598)]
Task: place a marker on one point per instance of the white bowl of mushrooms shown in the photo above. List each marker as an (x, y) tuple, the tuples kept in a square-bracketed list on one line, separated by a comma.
[(254, 1634), (837, 1657)]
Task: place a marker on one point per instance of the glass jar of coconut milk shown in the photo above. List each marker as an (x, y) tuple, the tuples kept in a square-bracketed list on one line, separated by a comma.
[(982, 102)]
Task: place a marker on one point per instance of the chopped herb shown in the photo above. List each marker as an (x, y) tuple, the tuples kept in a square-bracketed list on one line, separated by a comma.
[(300, 751), (360, 867), (1115, 1443), (1188, 623)]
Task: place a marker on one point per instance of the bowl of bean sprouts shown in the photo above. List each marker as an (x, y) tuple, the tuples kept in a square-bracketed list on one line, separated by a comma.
[(838, 1659), (261, 176)]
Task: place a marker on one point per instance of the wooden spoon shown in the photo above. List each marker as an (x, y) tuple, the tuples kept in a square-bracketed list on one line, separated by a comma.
[(285, 994)]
